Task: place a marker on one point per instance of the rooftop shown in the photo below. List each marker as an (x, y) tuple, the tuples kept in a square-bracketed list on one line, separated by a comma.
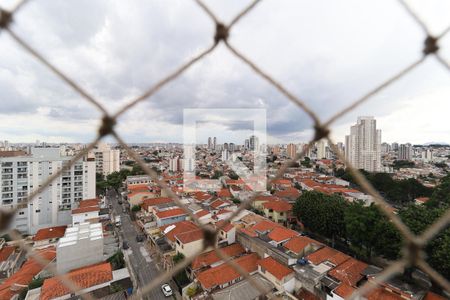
[(83, 277), (224, 273), (327, 254), (349, 272), (280, 234), (177, 228), (211, 257), (278, 206), (190, 236), (275, 268), (50, 233), (170, 213), (298, 243)]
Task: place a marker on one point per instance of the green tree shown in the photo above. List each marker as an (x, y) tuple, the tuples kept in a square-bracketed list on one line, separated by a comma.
[(306, 162), (441, 194), (217, 174), (321, 213), (178, 257), (369, 232), (117, 261), (136, 208)]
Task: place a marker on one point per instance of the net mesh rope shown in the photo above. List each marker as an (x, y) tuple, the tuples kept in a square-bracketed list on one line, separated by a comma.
[(413, 254)]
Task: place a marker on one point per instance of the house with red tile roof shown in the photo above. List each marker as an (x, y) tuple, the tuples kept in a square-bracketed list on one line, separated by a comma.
[(265, 226), (327, 254), (201, 197), (301, 246), (260, 200), (170, 216), (19, 280), (349, 272), (280, 275), (210, 259), (190, 242), (278, 211), (224, 193), (204, 216), (280, 235), (148, 204), (45, 237), (9, 258), (219, 204), (138, 197), (87, 211), (227, 232), (289, 194), (224, 275), (281, 183), (94, 279)]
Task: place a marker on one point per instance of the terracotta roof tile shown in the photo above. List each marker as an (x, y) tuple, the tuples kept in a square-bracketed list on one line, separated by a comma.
[(249, 232), (210, 257), (288, 193), (201, 213), (14, 284), (49, 233), (298, 243), (227, 226), (89, 202), (278, 206), (265, 225), (6, 252), (224, 193), (170, 213), (84, 277), (430, 296), (177, 228), (281, 234), (224, 273), (190, 236), (349, 272), (344, 290), (155, 201), (275, 268), (381, 293), (327, 253), (85, 210)]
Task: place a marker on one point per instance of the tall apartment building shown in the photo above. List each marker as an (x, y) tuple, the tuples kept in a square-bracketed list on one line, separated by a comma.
[(321, 147), (404, 152), (291, 150), (363, 145), (22, 173), (209, 143), (176, 164), (107, 160), (253, 143)]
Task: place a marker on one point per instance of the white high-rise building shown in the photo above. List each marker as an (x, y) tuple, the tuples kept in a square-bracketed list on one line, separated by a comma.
[(404, 152), (107, 160), (321, 147), (22, 173), (363, 145), (254, 143), (176, 164), (291, 150), (225, 155)]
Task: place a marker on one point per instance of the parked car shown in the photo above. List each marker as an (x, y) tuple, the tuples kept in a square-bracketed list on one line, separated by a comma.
[(125, 245), (139, 238), (167, 291), (120, 202)]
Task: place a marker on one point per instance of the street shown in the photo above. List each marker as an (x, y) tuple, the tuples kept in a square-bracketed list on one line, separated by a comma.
[(143, 268)]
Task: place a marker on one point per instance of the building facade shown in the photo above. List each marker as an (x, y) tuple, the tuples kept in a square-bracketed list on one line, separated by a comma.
[(22, 173), (107, 160), (363, 145)]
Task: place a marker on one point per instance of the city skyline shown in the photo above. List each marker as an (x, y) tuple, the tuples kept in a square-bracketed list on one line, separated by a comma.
[(48, 110)]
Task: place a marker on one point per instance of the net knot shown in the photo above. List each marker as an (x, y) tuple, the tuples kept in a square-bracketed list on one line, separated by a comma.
[(5, 18), (221, 33), (320, 132), (431, 45), (210, 238), (107, 126)]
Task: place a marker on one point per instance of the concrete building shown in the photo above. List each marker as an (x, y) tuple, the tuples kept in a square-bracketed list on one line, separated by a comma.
[(107, 160), (22, 173), (291, 150), (404, 152), (321, 148), (363, 145), (176, 164), (81, 245), (225, 155)]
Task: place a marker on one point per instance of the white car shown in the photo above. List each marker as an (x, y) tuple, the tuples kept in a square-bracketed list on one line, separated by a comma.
[(167, 291)]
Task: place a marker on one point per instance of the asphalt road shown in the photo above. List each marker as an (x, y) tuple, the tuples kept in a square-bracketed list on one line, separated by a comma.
[(142, 265)]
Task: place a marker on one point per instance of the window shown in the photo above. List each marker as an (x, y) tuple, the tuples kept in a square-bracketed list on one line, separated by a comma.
[(21, 213)]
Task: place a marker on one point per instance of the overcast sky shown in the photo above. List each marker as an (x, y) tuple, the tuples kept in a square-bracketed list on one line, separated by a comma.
[(328, 53)]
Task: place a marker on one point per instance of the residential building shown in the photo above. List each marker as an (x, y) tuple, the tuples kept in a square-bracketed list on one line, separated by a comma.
[(291, 150), (404, 152), (9, 259), (97, 280), (48, 236), (23, 173), (81, 245), (18, 281), (363, 145), (278, 211), (280, 275), (321, 148), (190, 242), (107, 160), (170, 216)]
